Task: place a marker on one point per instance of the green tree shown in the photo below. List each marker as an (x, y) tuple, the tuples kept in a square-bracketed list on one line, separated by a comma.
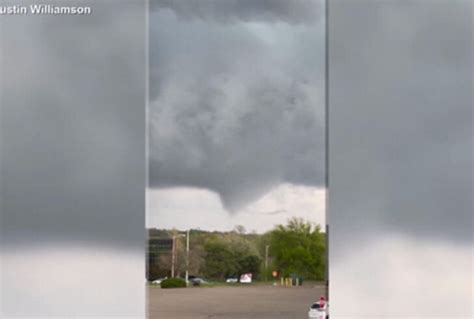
[(230, 254), (299, 247), (249, 264), (245, 252), (219, 261)]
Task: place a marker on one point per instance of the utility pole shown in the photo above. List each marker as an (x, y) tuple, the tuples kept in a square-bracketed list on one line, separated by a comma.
[(174, 254), (266, 262), (187, 256), (173, 247), (327, 262)]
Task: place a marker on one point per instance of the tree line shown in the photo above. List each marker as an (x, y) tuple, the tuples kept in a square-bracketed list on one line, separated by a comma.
[(297, 247)]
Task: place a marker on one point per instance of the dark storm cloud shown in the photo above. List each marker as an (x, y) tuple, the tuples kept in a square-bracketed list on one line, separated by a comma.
[(72, 126), (401, 120), (235, 109), (230, 11)]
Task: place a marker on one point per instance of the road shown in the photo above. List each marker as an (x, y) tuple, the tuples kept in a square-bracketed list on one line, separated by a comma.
[(259, 302)]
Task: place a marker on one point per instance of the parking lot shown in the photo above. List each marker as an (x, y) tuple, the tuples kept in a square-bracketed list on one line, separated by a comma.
[(242, 302)]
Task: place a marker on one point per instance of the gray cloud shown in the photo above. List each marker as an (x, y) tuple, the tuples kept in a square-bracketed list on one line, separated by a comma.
[(72, 126), (232, 11), (401, 120), (72, 109), (235, 109), (400, 158)]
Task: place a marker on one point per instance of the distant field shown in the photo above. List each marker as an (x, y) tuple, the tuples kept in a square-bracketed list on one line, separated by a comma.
[(221, 302)]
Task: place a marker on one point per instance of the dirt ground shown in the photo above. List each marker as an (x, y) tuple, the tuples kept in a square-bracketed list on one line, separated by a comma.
[(259, 302)]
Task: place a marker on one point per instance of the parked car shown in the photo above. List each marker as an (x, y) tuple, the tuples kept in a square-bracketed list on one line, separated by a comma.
[(246, 278), (232, 280), (158, 281), (197, 281), (319, 312)]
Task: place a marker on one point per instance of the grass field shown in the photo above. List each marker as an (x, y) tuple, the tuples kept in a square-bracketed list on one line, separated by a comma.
[(260, 301)]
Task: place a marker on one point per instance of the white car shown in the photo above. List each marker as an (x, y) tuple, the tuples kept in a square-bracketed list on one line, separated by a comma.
[(246, 279), (232, 280), (158, 281), (318, 312)]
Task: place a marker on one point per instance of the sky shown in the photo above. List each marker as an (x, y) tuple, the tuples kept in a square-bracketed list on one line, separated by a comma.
[(236, 113), (71, 139), (72, 144), (182, 208), (400, 159), (72, 162)]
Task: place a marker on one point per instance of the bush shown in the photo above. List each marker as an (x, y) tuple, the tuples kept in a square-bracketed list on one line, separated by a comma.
[(173, 283)]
